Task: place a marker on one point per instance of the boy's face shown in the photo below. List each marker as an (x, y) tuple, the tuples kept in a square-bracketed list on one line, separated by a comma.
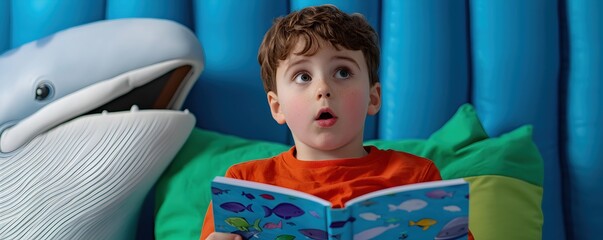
[(324, 98)]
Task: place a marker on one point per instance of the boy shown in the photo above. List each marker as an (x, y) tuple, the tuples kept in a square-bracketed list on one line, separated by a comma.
[(319, 67)]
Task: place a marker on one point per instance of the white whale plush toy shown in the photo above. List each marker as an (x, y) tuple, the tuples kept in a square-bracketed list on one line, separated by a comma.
[(89, 119)]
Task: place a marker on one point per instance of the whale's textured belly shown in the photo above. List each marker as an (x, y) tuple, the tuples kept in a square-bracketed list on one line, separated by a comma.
[(87, 178)]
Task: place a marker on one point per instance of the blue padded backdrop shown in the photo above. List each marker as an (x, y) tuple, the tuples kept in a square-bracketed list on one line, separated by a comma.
[(231, 37), (509, 91), (582, 111), (424, 68), (32, 19), (4, 25)]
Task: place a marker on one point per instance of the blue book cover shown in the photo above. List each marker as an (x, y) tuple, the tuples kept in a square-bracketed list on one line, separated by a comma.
[(432, 210)]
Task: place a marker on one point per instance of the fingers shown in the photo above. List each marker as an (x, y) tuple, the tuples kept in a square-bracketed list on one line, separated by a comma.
[(223, 236)]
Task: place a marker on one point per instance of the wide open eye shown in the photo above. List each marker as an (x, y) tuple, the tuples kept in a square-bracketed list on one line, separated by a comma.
[(43, 91), (343, 73), (302, 78)]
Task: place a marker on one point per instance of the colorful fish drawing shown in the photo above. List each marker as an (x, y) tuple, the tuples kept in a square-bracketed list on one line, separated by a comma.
[(241, 223), (267, 196), (374, 232), (393, 220), (270, 225), (439, 194), (367, 203), (217, 191), (454, 229), (339, 224), (369, 216), (235, 207), (314, 214), (409, 205), (247, 235), (284, 211), (248, 195), (424, 223), (315, 234), (452, 208), (285, 237)]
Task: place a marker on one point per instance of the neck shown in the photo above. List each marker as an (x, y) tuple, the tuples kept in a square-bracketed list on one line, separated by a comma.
[(309, 153)]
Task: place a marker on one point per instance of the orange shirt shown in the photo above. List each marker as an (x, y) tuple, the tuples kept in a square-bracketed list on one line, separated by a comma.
[(334, 180)]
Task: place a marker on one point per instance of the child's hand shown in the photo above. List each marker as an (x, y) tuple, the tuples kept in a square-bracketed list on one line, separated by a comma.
[(223, 236)]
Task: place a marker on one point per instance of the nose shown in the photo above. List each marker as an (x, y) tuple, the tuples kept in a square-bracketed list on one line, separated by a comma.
[(323, 94), (323, 90)]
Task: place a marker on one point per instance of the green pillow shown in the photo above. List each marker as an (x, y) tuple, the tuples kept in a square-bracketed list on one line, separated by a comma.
[(506, 175)]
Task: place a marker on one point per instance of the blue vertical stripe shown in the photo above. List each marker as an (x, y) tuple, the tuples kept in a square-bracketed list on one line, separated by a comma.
[(180, 11), (370, 9), (229, 96), (584, 126), (424, 70), (516, 65), (35, 19), (4, 25)]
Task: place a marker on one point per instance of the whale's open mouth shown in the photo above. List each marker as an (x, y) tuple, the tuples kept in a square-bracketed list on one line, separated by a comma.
[(142, 62), (160, 86), (157, 94)]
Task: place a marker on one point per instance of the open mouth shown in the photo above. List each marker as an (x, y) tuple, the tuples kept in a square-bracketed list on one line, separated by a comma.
[(164, 60), (326, 118), (157, 94), (138, 88)]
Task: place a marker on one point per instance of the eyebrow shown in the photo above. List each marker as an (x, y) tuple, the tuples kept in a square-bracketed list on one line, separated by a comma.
[(347, 59), (304, 60), (297, 62)]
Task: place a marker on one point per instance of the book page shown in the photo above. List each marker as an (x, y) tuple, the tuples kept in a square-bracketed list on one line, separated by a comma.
[(408, 187), (262, 211), (433, 210), (271, 188)]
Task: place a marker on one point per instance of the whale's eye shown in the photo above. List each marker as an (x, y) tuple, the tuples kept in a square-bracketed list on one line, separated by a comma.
[(43, 91)]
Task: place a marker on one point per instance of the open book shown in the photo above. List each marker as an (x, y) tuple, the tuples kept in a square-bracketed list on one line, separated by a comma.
[(430, 210)]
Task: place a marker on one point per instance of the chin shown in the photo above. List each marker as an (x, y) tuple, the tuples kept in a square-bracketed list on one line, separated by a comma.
[(331, 144)]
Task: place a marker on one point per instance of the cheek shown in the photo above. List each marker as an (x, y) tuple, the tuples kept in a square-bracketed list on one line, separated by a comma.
[(294, 109), (356, 104)]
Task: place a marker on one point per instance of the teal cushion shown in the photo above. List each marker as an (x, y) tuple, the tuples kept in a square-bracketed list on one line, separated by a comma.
[(503, 171)]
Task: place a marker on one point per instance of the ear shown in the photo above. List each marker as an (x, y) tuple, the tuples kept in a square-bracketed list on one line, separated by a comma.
[(374, 99), (275, 108)]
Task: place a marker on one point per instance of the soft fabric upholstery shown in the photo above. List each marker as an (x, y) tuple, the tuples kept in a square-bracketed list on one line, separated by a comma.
[(505, 175)]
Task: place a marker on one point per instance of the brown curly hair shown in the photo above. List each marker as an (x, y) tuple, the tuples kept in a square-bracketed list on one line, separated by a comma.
[(325, 22)]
